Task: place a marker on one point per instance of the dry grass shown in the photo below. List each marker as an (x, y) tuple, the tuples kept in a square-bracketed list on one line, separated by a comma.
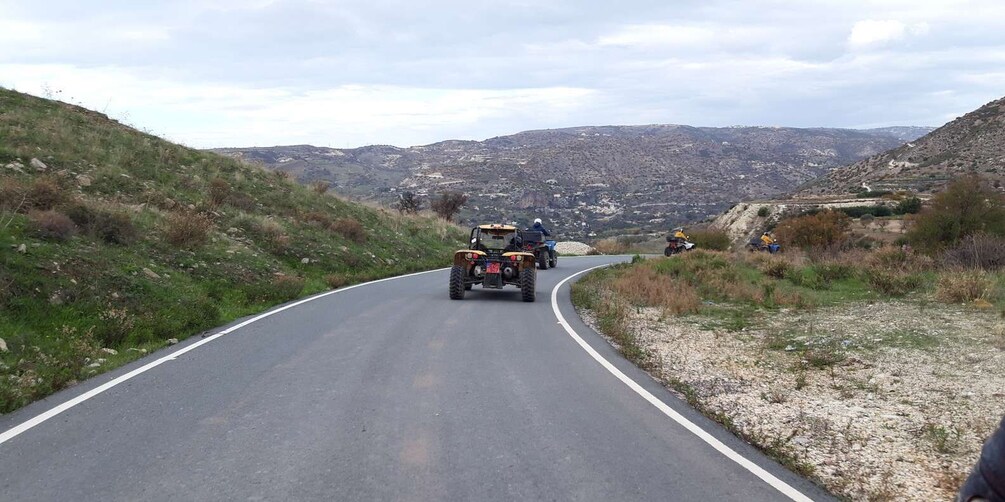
[(13, 195), (187, 230), (610, 246), (964, 286), (336, 281), (52, 225), (894, 258), (219, 191), (318, 219), (46, 193), (320, 187), (642, 285), (350, 229)]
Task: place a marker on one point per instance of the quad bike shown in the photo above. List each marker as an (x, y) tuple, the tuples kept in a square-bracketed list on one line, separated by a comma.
[(552, 254), (544, 250), (759, 245), (675, 246), (496, 258)]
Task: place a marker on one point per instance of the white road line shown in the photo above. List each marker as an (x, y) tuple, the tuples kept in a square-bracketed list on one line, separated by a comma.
[(766, 476), (34, 421)]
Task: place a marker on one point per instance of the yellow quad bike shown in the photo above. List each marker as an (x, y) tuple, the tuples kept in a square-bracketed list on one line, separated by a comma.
[(494, 260)]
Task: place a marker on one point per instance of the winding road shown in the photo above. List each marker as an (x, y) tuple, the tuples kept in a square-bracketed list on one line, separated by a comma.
[(386, 391)]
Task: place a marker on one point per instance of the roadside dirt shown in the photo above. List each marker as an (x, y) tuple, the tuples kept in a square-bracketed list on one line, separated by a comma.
[(885, 401)]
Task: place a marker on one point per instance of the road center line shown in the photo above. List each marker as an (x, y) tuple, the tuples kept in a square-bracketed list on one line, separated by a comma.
[(719, 446), (38, 419)]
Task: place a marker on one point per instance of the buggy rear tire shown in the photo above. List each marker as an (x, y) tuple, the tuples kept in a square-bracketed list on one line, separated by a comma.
[(667, 251), (553, 261), (528, 283), (457, 283)]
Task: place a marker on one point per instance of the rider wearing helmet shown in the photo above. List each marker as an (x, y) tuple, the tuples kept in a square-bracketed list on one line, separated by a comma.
[(767, 239), (679, 235), (539, 227)]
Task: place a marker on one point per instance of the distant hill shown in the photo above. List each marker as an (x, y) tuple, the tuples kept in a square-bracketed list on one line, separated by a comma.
[(902, 133), (587, 180), (114, 239), (973, 142)]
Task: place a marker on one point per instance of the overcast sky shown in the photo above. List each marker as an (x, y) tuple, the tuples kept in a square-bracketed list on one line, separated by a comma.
[(213, 73)]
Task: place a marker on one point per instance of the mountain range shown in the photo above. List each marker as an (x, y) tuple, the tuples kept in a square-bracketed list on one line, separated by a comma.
[(588, 180), (974, 142)]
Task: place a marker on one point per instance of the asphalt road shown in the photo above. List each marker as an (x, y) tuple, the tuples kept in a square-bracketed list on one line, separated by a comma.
[(387, 391)]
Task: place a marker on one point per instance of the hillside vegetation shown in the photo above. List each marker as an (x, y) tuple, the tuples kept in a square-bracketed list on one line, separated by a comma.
[(114, 242)]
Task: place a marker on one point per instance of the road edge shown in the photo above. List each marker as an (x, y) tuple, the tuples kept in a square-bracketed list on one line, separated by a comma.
[(780, 485)]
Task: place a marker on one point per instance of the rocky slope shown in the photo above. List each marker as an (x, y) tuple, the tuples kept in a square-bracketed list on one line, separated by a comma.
[(589, 179), (974, 142)]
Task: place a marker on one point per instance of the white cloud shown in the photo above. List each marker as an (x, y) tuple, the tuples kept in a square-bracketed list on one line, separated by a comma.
[(647, 35), (206, 115), (872, 32), (231, 72)]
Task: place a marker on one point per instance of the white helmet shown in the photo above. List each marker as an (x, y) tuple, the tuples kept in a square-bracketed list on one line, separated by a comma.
[(537, 220)]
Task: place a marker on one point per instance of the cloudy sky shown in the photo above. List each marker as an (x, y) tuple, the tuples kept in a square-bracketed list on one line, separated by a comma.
[(348, 73)]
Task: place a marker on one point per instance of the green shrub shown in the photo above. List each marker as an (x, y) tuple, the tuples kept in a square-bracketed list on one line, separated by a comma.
[(763, 211), (114, 228), (966, 207), (859, 211), (910, 205), (711, 239)]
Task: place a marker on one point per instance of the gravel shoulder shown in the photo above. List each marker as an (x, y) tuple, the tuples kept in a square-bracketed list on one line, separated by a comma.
[(901, 414)]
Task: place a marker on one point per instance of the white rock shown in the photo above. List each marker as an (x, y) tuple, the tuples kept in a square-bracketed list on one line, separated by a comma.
[(38, 164), (572, 248), (107, 350), (22, 249), (84, 180), (172, 341), (305, 261), (150, 273), (3, 345)]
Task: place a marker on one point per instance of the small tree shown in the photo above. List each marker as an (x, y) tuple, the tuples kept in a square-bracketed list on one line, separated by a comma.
[(448, 204), (966, 207), (408, 202), (910, 205)]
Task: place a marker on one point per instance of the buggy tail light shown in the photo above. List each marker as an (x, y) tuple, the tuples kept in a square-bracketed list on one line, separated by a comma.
[(515, 257)]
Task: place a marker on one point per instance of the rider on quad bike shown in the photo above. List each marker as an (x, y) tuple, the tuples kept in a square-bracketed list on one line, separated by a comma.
[(677, 241)]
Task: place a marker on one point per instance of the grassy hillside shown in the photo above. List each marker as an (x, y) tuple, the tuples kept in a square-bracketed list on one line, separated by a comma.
[(113, 242)]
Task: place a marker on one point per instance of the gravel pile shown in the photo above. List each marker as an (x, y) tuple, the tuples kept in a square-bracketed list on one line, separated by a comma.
[(572, 248)]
